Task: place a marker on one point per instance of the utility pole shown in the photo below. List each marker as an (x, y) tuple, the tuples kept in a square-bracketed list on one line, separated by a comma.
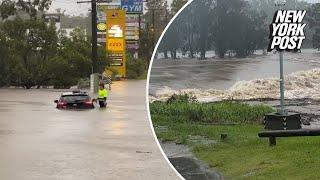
[(94, 51), (94, 79), (94, 54)]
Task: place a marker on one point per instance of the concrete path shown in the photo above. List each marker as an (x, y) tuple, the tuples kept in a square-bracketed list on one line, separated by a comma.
[(40, 142)]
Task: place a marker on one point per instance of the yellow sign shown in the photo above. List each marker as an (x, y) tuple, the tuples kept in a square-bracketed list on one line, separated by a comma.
[(115, 44), (102, 26), (115, 31)]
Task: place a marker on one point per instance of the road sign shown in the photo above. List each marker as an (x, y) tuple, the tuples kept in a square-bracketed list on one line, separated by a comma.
[(132, 6), (101, 40), (136, 24), (101, 26), (132, 28), (133, 46), (132, 33), (115, 43), (132, 37), (116, 21), (130, 18)]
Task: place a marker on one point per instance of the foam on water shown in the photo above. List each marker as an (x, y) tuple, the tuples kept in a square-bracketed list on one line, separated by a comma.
[(301, 84)]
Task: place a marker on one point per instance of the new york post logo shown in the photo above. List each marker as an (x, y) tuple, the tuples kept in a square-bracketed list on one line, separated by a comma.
[(287, 30)]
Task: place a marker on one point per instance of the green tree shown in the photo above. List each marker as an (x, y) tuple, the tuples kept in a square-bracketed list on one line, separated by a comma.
[(145, 45), (177, 5), (7, 8), (3, 59), (225, 26), (239, 28), (205, 36), (313, 18), (156, 17), (171, 41), (72, 60), (188, 25), (135, 67), (32, 7), (30, 43)]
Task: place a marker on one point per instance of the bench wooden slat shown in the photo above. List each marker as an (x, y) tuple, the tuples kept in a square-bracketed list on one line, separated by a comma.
[(289, 133), (272, 134)]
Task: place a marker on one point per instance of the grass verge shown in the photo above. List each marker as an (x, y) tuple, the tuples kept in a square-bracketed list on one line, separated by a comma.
[(242, 155)]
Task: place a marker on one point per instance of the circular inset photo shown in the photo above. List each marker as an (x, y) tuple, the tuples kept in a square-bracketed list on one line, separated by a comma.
[(234, 90)]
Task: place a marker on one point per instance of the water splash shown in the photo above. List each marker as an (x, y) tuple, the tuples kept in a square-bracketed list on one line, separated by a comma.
[(301, 84)]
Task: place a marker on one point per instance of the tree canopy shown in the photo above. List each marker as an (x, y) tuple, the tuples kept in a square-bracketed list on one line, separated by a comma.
[(234, 27), (34, 53)]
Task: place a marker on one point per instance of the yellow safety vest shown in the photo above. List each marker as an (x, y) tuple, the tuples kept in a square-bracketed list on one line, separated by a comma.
[(103, 93)]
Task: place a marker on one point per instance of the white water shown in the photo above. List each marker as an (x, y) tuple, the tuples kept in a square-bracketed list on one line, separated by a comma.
[(301, 84)]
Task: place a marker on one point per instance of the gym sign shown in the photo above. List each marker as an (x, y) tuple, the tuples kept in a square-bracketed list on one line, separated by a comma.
[(132, 6)]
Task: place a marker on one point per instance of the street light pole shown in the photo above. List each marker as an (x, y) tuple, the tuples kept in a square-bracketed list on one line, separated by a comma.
[(282, 105), (282, 108)]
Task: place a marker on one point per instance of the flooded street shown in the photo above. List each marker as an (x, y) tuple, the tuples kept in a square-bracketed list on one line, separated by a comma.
[(40, 142)]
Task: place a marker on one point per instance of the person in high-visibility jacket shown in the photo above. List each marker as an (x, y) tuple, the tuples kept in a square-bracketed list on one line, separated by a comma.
[(102, 96)]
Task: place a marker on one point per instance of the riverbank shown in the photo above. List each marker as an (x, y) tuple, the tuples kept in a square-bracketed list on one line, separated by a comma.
[(232, 147)]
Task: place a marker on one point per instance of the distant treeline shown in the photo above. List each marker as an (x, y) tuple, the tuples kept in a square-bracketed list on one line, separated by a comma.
[(236, 27), (34, 53)]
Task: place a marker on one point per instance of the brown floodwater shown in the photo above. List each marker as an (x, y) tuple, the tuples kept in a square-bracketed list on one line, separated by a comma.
[(38, 141)]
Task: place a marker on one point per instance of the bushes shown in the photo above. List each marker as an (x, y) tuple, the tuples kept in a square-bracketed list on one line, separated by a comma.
[(135, 67), (181, 99), (220, 112)]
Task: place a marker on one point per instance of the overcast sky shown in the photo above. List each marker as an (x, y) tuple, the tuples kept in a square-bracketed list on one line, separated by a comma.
[(71, 7)]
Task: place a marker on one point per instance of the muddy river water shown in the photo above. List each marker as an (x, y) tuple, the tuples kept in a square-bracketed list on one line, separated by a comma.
[(247, 78)]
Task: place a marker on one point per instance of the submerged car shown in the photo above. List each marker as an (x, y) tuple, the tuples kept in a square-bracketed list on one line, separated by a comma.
[(75, 100)]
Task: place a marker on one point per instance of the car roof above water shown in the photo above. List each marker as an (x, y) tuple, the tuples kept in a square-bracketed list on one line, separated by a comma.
[(75, 93)]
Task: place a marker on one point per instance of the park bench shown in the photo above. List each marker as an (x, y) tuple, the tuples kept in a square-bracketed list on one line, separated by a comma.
[(283, 125), (273, 134)]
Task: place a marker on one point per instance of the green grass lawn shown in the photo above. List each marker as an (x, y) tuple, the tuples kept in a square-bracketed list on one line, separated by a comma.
[(242, 155)]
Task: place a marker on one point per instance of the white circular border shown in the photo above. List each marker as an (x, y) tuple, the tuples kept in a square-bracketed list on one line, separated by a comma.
[(147, 87)]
